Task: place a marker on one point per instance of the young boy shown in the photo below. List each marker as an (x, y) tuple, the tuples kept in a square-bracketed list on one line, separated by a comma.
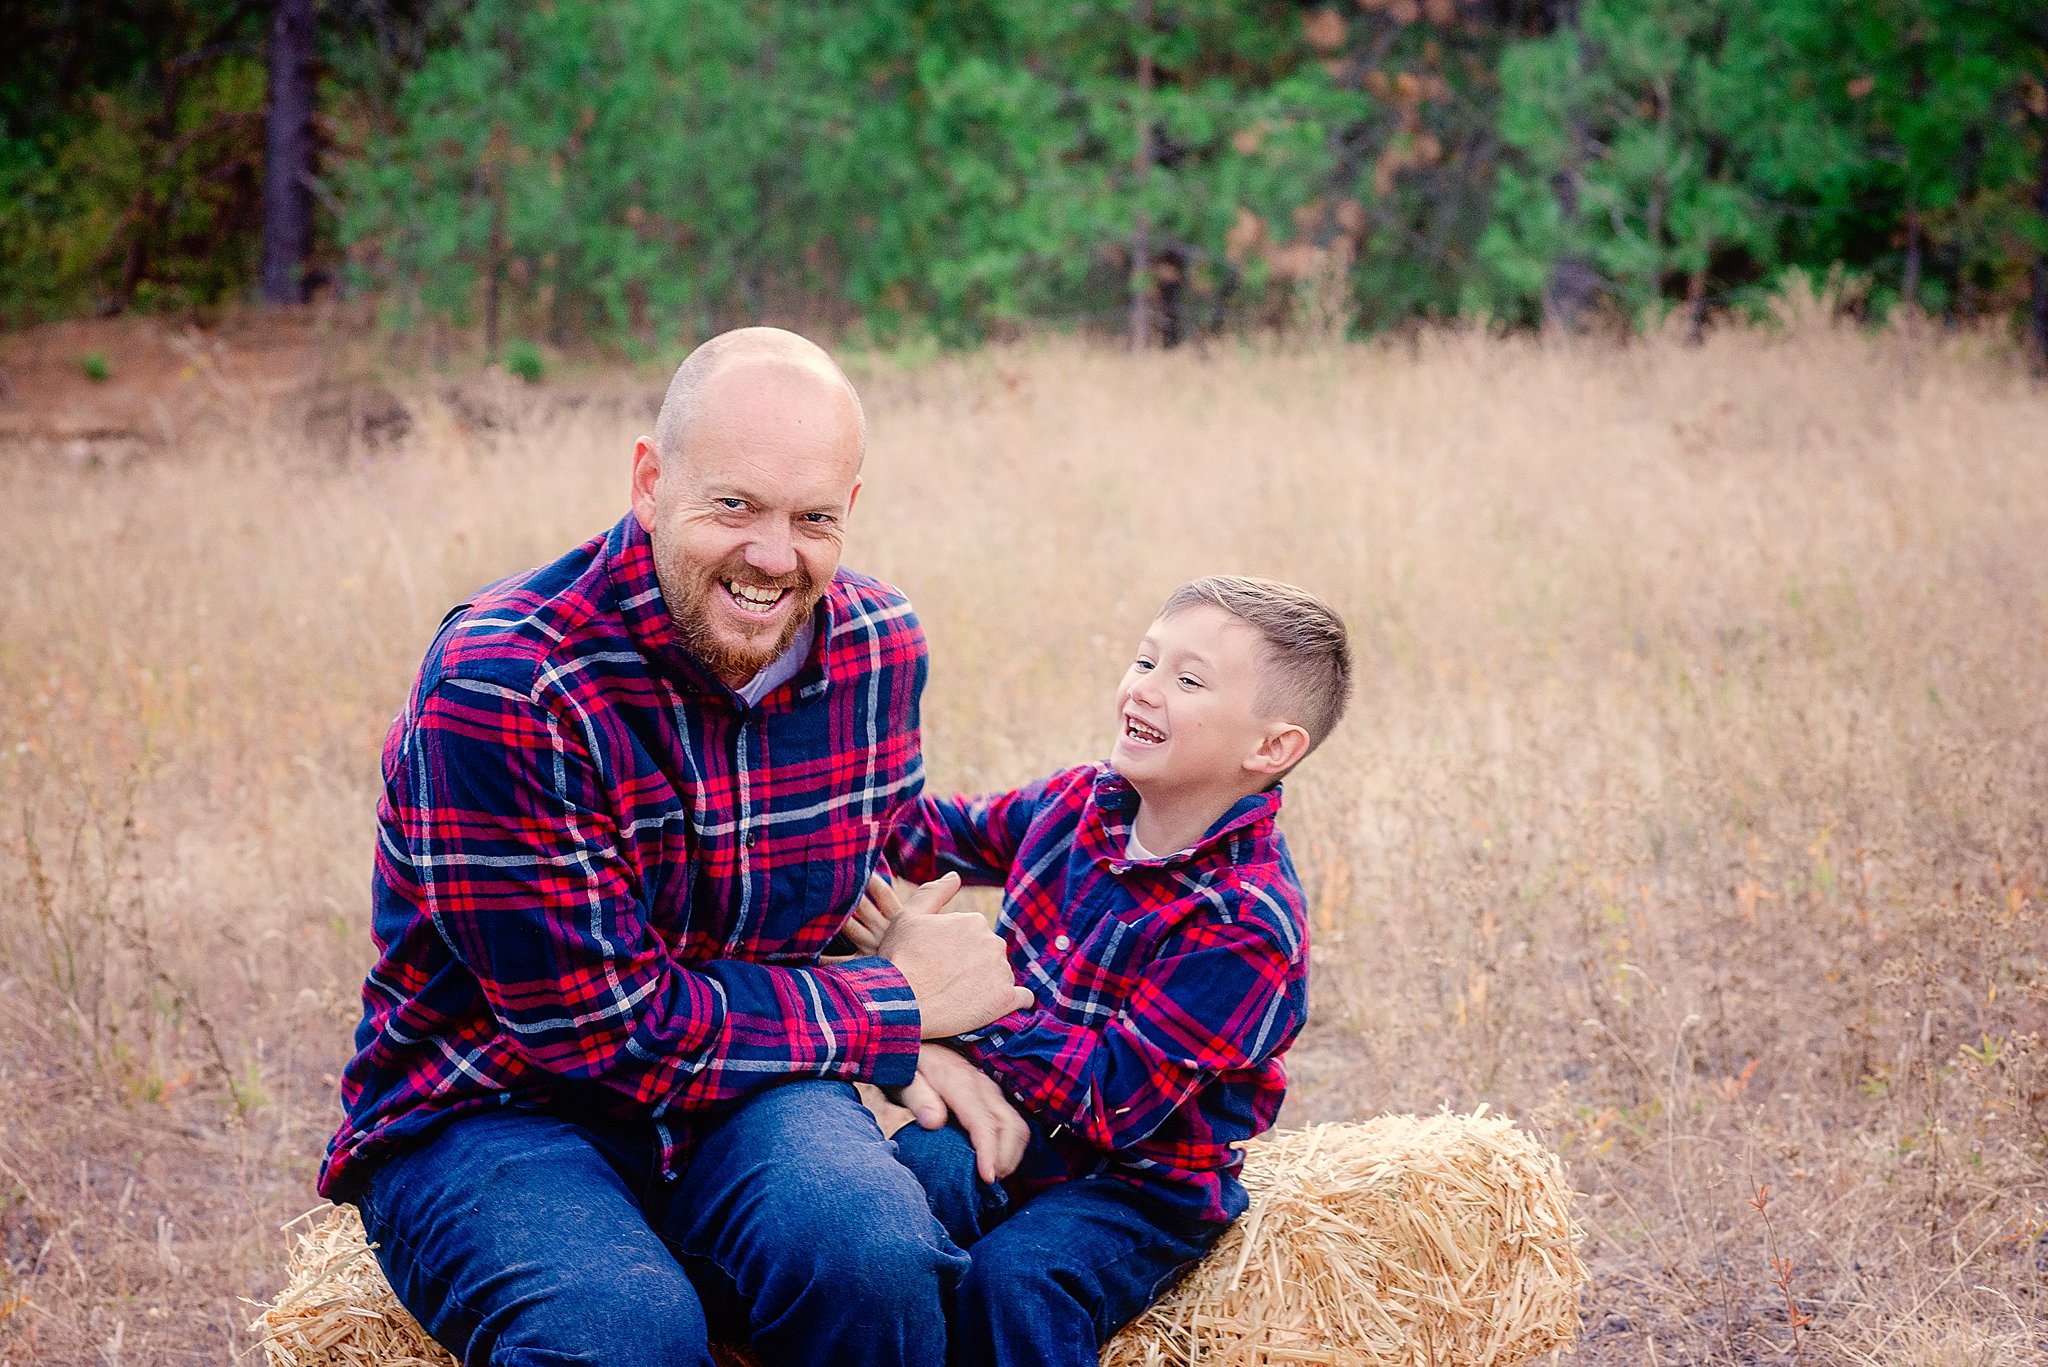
[(1152, 908)]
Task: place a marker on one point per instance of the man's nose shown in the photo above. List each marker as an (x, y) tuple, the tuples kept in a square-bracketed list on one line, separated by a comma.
[(772, 552)]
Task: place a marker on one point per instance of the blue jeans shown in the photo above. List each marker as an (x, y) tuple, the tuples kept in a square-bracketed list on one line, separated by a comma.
[(522, 1239), (1055, 1276)]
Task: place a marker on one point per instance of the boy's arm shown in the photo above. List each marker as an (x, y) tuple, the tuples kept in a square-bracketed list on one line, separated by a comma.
[(975, 837), (1218, 998)]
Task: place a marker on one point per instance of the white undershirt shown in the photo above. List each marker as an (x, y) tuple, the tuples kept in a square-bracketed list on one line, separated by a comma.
[(1136, 851), (782, 668)]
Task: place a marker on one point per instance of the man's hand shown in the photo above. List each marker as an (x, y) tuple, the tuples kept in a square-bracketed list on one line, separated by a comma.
[(954, 963), (864, 929), (947, 1083)]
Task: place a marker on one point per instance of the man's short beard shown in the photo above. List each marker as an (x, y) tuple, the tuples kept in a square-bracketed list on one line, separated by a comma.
[(688, 604)]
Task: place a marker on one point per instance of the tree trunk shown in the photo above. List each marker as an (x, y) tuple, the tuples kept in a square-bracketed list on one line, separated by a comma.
[(1574, 286), (1909, 283), (1174, 326), (1141, 231), (494, 268), (288, 157), (2037, 315), (497, 155), (1696, 307)]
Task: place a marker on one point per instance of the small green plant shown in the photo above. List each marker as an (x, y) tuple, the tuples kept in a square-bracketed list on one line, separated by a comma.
[(1986, 1052), (95, 366), (247, 1091), (523, 358)]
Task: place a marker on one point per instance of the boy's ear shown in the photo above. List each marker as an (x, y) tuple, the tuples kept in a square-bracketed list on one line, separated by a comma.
[(1284, 747)]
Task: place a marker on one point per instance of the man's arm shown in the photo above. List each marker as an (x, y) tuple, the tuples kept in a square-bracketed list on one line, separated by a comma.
[(520, 869), (1217, 998)]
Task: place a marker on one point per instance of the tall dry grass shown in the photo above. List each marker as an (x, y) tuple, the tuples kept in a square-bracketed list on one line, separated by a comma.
[(1691, 805)]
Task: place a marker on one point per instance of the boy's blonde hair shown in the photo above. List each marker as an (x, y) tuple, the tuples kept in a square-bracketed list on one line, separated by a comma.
[(1308, 667)]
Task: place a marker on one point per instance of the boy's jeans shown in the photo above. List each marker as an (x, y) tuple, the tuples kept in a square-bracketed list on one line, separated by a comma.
[(523, 1240), (1052, 1279)]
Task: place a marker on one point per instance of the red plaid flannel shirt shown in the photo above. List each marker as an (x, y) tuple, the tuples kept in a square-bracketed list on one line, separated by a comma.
[(1167, 989), (602, 880)]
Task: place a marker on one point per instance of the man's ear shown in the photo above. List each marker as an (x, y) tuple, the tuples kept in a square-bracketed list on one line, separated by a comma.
[(1284, 746), (646, 470), (853, 497)]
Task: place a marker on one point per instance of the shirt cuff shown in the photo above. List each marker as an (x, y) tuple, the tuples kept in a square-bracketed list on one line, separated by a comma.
[(895, 1027), (985, 1045)]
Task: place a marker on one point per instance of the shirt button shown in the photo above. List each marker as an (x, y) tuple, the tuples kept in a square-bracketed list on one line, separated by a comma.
[(753, 835), (1062, 942)]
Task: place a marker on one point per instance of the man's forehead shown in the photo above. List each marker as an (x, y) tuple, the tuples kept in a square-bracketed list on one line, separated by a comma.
[(755, 417), (760, 384)]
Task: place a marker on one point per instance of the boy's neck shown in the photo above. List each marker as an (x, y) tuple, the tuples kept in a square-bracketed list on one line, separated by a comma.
[(1168, 822)]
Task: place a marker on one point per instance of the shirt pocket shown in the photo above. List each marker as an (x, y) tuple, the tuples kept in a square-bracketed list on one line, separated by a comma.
[(811, 898), (664, 869), (1104, 964)]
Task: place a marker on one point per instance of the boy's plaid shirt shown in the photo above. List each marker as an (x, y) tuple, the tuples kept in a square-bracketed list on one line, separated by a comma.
[(602, 881), (1167, 989)]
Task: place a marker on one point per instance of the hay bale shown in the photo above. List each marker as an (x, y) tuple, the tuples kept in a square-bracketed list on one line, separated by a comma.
[(337, 1310), (1406, 1241)]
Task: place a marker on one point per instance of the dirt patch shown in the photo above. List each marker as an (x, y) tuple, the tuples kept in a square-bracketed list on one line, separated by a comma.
[(107, 392)]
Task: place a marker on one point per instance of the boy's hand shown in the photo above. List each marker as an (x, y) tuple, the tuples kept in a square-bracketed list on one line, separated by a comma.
[(946, 1084), (863, 930), (954, 963)]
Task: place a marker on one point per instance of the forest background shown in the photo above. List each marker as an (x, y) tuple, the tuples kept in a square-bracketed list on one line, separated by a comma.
[(636, 174)]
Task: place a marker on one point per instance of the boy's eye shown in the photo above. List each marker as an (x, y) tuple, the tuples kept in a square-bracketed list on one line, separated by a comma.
[(1190, 681), (1142, 664)]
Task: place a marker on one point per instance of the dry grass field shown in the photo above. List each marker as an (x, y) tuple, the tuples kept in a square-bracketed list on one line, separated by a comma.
[(1691, 809)]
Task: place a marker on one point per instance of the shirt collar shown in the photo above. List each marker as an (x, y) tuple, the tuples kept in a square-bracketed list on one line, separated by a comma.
[(630, 560), (1106, 826)]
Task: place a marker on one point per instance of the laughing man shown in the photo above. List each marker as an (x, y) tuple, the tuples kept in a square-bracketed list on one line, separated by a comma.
[(600, 1107)]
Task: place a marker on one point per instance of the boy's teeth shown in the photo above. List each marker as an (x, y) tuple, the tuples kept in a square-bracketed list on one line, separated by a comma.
[(1137, 730)]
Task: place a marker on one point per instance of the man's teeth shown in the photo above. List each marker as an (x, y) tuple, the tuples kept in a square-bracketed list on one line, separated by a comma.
[(754, 597), (1137, 730)]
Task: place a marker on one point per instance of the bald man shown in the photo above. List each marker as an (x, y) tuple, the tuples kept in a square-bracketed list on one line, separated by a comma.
[(601, 1106)]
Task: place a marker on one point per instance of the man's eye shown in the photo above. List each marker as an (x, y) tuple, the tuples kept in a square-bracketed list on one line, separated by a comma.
[(820, 519), (732, 505)]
